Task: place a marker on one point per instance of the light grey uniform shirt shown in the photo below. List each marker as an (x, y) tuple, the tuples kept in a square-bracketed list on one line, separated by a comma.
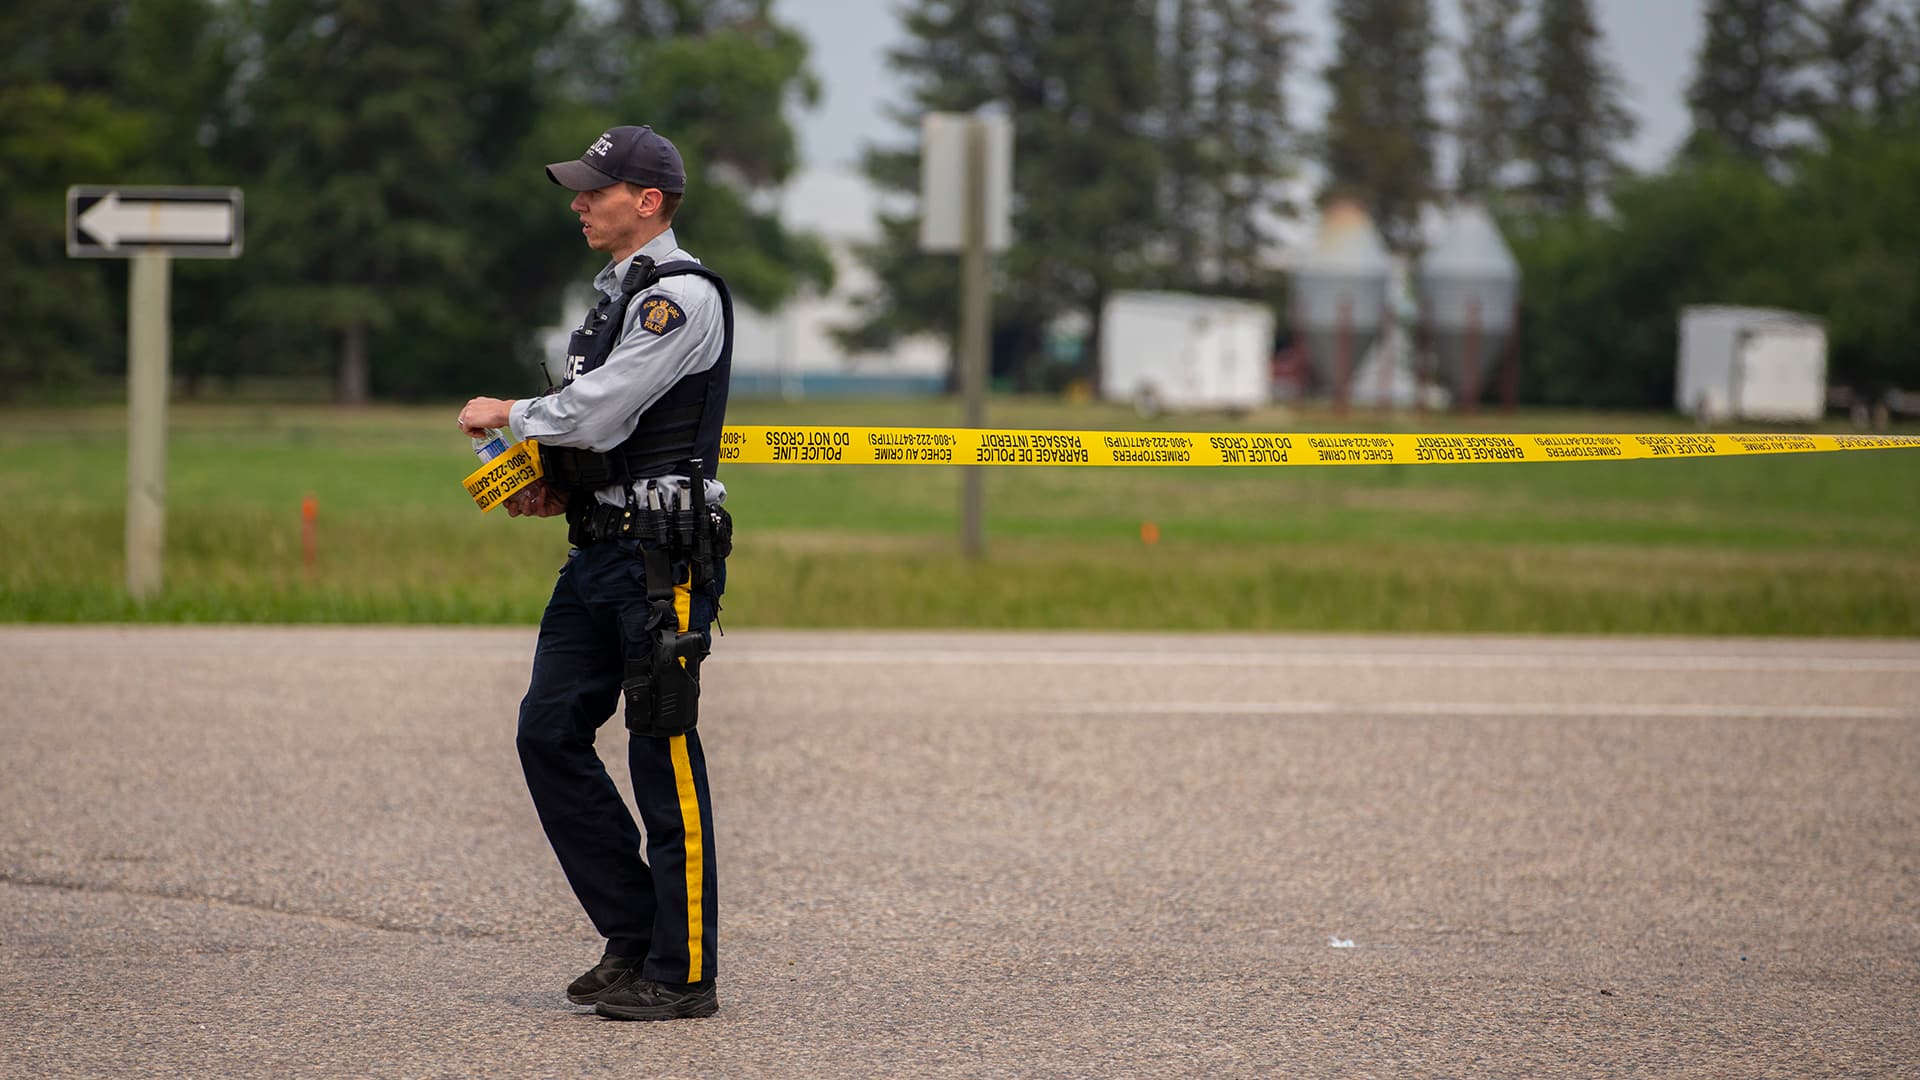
[(599, 409)]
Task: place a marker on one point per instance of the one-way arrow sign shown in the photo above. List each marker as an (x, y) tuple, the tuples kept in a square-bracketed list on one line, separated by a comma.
[(118, 222)]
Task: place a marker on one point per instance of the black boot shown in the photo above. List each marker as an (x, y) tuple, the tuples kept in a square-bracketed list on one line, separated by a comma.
[(587, 989), (644, 999)]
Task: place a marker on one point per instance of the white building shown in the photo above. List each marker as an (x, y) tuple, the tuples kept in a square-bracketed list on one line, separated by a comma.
[(1750, 364), (1168, 350), (791, 352)]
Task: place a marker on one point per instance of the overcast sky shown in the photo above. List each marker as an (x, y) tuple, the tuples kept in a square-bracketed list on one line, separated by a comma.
[(1650, 43)]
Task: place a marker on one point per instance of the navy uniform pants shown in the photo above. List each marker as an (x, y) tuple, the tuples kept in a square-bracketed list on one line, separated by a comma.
[(661, 907)]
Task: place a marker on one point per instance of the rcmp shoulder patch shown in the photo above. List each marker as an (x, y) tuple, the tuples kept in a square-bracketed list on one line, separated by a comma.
[(660, 316)]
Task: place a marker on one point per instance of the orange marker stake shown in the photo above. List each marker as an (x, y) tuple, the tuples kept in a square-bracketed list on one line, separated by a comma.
[(309, 541), (1149, 533)]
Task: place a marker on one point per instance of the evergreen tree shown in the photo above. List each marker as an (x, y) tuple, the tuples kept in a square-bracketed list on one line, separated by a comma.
[(402, 213), (1250, 122), (1896, 77), (1574, 119), (1379, 130), (716, 77), (356, 132), (1187, 62), (1841, 61), (83, 99), (1080, 84), (1226, 139), (1745, 74), (521, 247), (400, 235), (1863, 64), (1492, 94)]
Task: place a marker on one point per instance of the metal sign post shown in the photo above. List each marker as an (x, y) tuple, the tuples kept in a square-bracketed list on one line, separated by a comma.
[(149, 226), (974, 301), (966, 183), (148, 346)]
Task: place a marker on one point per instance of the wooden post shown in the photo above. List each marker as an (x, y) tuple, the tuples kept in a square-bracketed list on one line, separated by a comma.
[(147, 376)]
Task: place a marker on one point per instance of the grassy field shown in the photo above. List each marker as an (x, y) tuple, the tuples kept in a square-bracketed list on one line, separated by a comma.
[(1804, 544)]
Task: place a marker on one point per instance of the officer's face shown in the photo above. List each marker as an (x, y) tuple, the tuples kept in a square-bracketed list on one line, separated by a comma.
[(616, 219)]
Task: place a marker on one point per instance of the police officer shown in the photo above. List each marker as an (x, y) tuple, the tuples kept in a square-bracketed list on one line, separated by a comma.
[(630, 443)]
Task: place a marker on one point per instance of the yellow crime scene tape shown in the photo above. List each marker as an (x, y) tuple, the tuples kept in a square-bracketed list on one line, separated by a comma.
[(491, 484), (767, 445)]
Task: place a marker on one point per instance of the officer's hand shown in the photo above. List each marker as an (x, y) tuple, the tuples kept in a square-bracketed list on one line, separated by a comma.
[(551, 502), (483, 413), (537, 500), (522, 502)]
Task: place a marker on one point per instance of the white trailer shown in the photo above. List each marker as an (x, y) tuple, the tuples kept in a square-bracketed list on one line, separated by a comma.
[(1740, 363), (1167, 350)]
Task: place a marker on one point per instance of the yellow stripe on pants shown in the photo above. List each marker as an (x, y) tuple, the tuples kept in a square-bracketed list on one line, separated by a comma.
[(695, 851), (695, 846)]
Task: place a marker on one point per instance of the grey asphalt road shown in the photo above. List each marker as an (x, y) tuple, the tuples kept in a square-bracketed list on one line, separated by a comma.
[(308, 852)]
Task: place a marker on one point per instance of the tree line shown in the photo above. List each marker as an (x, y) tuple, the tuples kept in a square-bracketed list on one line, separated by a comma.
[(402, 242), (401, 238), (1798, 187), (1153, 146)]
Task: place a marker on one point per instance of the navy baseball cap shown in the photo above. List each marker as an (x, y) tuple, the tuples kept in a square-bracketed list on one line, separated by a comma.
[(638, 155)]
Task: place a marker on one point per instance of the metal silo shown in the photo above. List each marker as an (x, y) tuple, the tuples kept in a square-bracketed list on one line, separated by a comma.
[(1469, 292), (1340, 295)]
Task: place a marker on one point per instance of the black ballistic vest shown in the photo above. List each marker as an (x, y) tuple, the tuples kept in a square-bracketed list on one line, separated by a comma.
[(682, 427)]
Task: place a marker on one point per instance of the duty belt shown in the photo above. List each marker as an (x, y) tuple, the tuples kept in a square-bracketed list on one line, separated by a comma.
[(701, 534), (666, 528)]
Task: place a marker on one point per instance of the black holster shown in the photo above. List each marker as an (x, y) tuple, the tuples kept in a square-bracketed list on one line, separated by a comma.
[(662, 684)]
